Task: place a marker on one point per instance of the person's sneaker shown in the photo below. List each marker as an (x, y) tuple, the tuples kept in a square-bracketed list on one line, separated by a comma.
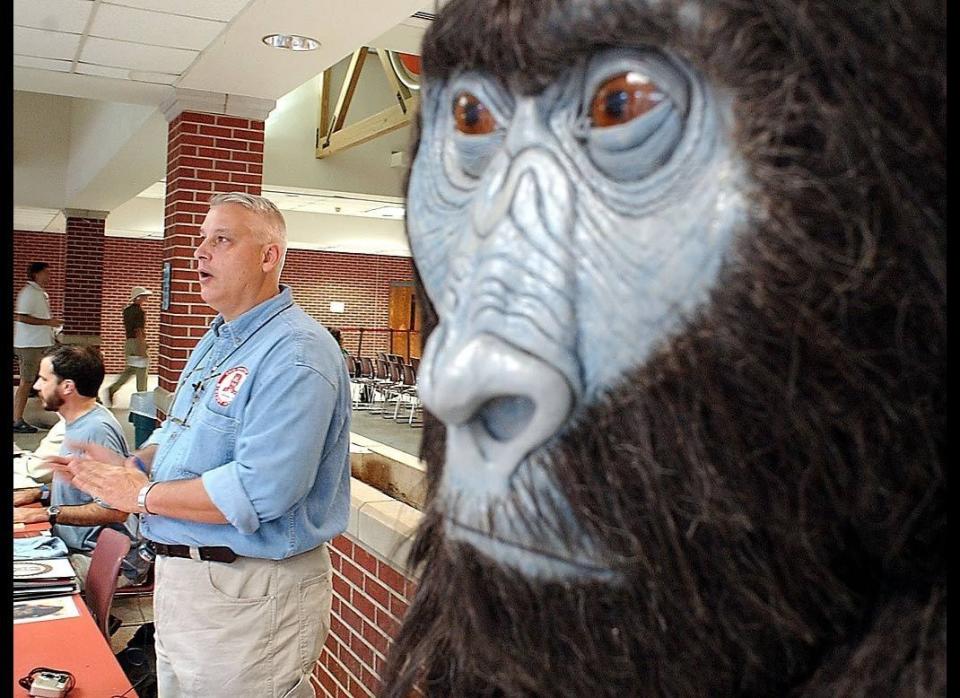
[(22, 427)]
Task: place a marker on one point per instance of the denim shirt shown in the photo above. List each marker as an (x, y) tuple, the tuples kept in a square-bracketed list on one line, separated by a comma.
[(262, 415)]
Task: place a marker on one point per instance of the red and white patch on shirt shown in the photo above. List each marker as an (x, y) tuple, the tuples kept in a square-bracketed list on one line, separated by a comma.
[(229, 385)]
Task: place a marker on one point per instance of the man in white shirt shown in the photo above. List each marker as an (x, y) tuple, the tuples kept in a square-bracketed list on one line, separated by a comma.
[(33, 336), (30, 468)]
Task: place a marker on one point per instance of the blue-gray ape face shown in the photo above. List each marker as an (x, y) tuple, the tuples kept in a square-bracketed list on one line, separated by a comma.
[(561, 237)]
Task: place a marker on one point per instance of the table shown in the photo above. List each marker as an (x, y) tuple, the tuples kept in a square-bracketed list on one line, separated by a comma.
[(70, 644), (22, 530), (29, 530)]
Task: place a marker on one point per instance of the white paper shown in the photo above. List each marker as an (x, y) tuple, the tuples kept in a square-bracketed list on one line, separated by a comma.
[(53, 608), (48, 568)]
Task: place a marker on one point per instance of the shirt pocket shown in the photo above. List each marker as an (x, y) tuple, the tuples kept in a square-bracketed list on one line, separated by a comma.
[(212, 443)]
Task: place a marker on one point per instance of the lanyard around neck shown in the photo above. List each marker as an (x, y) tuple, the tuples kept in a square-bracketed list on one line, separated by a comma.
[(214, 370)]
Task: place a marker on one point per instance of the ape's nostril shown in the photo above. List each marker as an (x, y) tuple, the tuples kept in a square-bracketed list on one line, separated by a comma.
[(506, 416), (499, 404)]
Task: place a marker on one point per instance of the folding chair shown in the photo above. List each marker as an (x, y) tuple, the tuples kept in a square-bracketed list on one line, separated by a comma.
[(101, 584), (410, 379), (382, 385)]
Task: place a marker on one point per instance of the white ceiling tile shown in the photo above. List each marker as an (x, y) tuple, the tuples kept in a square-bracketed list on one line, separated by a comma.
[(102, 70), (44, 44), (154, 28), (157, 190), (223, 10), (38, 219), (43, 63), (122, 54), (124, 74), (147, 76), (52, 15)]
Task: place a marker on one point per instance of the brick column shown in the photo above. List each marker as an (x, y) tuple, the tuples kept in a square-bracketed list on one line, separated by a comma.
[(83, 276), (214, 145)]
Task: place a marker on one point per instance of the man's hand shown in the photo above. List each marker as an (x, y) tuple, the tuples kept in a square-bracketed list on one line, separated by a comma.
[(30, 515), (93, 451), (54, 322), (118, 484)]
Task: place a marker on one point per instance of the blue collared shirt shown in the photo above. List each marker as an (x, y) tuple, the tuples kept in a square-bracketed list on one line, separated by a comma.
[(262, 415)]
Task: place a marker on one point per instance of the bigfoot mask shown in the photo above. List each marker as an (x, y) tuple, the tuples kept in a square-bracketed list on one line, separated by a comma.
[(684, 280)]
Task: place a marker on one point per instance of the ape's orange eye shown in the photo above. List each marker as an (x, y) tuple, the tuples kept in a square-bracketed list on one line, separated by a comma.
[(622, 98), (472, 116)]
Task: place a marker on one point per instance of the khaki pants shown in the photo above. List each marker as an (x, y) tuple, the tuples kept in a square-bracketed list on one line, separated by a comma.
[(131, 347), (251, 628), (30, 358)]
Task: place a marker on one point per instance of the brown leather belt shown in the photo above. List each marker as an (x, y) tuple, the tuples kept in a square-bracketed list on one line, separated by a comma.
[(208, 553)]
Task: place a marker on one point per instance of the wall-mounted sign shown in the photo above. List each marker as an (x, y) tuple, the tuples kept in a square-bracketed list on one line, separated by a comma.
[(165, 287), (338, 307)]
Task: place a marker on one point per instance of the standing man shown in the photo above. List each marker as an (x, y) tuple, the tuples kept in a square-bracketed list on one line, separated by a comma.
[(32, 337), (135, 346), (68, 381), (249, 476)]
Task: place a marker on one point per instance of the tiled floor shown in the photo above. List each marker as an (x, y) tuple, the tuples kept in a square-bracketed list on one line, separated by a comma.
[(386, 431), (133, 611)]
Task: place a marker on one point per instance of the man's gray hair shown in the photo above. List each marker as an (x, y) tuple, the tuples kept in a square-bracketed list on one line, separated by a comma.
[(276, 228)]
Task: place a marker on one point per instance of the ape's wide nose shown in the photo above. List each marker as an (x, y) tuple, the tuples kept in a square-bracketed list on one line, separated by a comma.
[(498, 402)]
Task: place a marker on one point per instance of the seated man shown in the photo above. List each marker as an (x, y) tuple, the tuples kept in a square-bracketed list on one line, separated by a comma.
[(68, 381)]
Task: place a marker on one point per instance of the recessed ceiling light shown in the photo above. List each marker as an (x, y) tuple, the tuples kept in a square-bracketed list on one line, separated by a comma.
[(291, 42)]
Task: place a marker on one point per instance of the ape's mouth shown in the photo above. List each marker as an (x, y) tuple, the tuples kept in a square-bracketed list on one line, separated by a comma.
[(529, 558)]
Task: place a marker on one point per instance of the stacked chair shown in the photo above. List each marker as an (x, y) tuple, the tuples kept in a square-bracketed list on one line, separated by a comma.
[(383, 384), (366, 378), (387, 385)]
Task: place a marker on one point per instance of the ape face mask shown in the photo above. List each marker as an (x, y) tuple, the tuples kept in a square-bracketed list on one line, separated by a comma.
[(561, 237), (683, 273)]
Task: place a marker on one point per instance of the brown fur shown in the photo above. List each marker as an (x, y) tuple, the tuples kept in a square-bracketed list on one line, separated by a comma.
[(772, 481)]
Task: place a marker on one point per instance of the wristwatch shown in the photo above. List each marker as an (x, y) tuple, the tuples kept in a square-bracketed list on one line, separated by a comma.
[(52, 514)]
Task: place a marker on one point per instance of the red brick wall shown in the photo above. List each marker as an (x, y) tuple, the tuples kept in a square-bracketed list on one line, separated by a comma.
[(362, 282), (84, 259), (370, 598)]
